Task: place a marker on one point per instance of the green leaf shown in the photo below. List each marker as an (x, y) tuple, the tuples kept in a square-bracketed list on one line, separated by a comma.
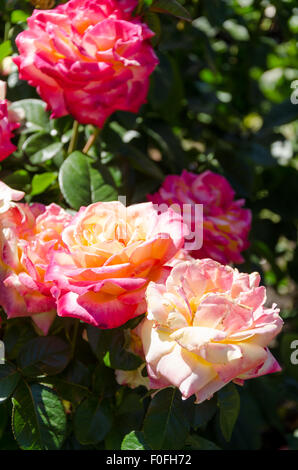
[(229, 407), (118, 357), (35, 142), (128, 417), (67, 390), (134, 441), (38, 419), (153, 21), (9, 378), (44, 356), (18, 16), (104, 382), (195, 442), (37, 119), (18, 179), (142, 163), (5, 49), (172, 7), (47, 153), (92, 421), (204, 412), (17, 333), (41, 182), (165, 425), (81, 184), (99, 340)]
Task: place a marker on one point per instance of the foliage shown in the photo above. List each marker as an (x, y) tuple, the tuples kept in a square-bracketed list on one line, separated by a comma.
[(219, 100)]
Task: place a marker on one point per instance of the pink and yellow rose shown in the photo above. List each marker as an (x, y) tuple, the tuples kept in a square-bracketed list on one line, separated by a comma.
[(113, 253), (8, 123), (226, 224), (88, 58), (8, 196), (28, 236), (207, 326)]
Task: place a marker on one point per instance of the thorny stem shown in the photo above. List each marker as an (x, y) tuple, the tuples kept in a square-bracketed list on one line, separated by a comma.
[(91, 140)]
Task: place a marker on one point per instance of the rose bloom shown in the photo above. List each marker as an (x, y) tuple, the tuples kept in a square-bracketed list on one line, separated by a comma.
[(226, 224), (8, 123), (88, 58), (28, 235), (132, 378), (8, 196), (207, 326), (113, 253)]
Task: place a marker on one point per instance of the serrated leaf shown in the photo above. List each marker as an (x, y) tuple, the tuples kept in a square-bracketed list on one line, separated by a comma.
[(46, 153), (165, 425), (44, 356), (18, 16), (38, 419), (5, 49), (99, 340), (36, 117), (17, 333), (92, 421), (67, 390), (153, 21), (229, 407), (81, 184), (41, 182), (172, 7), (195, 442), (9, 378), (203, 413), (119, 357), (134, 441)]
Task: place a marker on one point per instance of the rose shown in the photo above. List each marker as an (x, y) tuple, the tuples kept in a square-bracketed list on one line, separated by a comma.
[(132, 378), (8, 123), (88, 58), (226, 224), (113, 253), (7, 196), (207, 326), (28, 235)]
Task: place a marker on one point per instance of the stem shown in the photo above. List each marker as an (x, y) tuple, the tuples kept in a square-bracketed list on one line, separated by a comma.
[(139, 7), (6, 31), (75, 334), (91, 140), (74, 138)]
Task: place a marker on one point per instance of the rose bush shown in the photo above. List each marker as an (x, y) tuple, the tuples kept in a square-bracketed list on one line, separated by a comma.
[(130, 327)]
